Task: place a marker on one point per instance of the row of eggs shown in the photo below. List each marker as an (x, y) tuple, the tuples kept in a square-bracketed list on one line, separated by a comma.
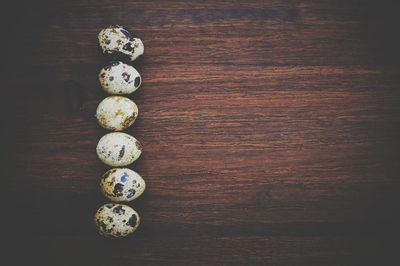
[(118, 149)]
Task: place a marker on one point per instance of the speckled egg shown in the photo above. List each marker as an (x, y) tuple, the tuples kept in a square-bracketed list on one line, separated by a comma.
[(122, 185), (116, 113), (118, 42), (119, 78), (116, 220), (118, 149)]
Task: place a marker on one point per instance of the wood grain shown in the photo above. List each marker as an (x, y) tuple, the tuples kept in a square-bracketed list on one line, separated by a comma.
[(270, 132)]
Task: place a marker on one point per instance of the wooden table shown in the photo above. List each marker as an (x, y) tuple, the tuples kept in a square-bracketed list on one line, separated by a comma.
[(270, 132)]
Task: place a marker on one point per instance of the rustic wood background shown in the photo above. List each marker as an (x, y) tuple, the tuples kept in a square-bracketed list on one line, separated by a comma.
[(270, 132)]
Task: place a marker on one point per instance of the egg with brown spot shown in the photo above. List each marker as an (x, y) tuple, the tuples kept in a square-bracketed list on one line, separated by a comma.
[(116, 220), (117, 42), (118, 149), (119, 78), (116, 113), (122, 185)]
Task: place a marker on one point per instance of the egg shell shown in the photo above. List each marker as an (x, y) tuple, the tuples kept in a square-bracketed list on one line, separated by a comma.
[(116, 220), (116, 113), (118, 78), (122, 184), (118, 149), (117, 42)]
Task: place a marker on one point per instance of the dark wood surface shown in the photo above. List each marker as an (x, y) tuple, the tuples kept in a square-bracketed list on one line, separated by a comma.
[(270, 132)]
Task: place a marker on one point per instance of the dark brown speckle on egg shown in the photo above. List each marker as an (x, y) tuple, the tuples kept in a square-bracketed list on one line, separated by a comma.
[(132, 221), (128, 47), (126, 76), (119, 210), (138, 145), (118, 189), (137, 82), (121, 153)]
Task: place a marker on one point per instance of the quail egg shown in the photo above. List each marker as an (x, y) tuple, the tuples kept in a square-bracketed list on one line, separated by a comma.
[(116, 220), (118, 42), (119, 78), (122, 184), (116, 113), (118, 149)]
